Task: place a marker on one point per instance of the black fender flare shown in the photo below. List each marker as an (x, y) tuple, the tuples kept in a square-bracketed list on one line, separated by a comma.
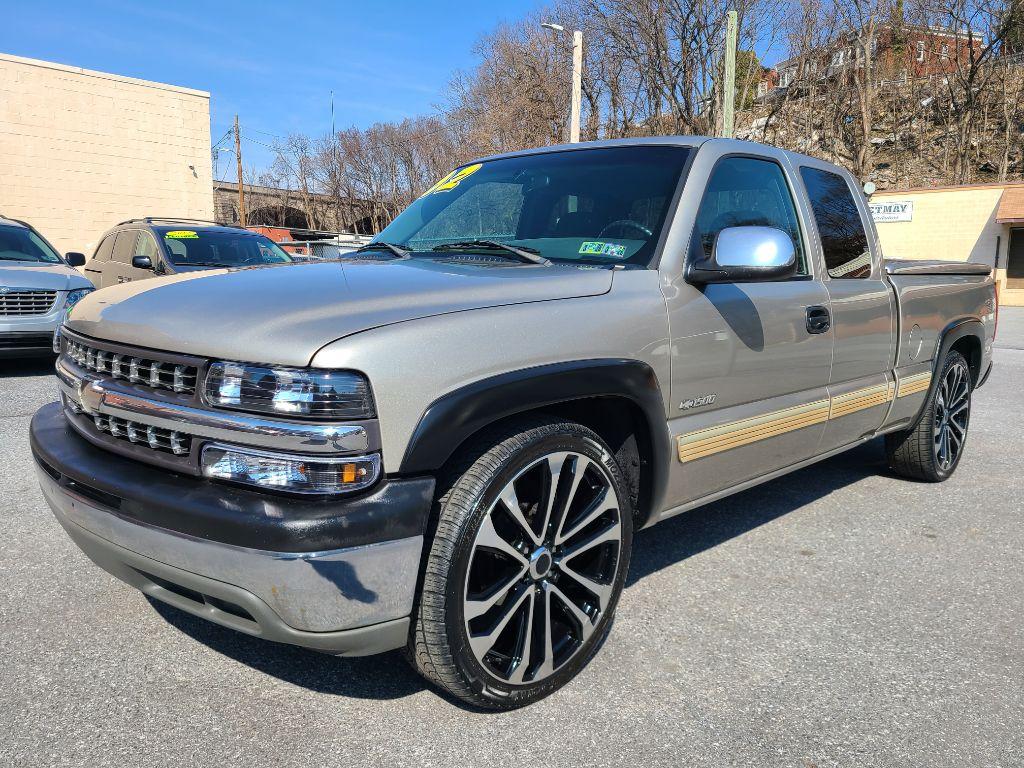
[(454, 417), (950, 335)]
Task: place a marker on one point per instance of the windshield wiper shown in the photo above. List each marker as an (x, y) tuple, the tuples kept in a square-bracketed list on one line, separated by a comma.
[(380, 245), (530, 255)]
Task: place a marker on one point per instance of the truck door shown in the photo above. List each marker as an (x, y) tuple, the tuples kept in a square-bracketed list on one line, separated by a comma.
[(749, 369), (863, 311)]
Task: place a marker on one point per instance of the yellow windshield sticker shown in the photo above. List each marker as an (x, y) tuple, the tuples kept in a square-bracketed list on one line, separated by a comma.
[(453, 179), (182, 234)]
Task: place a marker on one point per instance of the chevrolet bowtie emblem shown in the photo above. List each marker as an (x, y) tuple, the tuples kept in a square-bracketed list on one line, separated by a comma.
[(90, 396)]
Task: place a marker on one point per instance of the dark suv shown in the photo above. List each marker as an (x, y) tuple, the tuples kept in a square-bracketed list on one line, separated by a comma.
[(138, 249)]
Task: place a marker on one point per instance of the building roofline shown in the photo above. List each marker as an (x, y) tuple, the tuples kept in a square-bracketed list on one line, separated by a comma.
[(103, 75), (950, 188)]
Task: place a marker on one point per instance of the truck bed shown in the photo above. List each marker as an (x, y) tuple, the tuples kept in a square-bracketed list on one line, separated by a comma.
[(935, 267)]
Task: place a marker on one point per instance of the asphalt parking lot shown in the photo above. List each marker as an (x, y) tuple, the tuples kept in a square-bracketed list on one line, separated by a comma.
[(838, 616)]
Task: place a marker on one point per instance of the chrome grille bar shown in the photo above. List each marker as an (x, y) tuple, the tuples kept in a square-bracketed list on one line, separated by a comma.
[(21, 303), (134, 369)]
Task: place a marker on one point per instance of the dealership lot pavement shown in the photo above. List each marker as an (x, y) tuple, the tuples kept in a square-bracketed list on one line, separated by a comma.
[(838, 616)]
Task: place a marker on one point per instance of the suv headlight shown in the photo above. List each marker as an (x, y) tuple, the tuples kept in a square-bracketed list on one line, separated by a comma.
[(73, 298), (76, 296), (303, 392)]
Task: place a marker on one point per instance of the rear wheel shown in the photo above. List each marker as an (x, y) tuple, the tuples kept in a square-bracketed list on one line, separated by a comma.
[(526, 565), (932, 450)]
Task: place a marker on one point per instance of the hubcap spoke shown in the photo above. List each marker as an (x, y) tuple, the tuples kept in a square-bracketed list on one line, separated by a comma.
[(478, 607), (599, 506), (510, 500), (490, 538), (484, 642), (526, 646), (601, 591), (586, 626), (610, 533)]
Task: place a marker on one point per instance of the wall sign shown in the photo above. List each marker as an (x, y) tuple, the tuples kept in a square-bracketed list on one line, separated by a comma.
[(892, 210)]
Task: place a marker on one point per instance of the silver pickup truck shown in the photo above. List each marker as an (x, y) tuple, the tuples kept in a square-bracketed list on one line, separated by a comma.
[(445, 442)]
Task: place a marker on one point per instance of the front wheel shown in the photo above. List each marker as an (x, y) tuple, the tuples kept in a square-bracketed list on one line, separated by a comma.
[(932, 449), (526, 565)]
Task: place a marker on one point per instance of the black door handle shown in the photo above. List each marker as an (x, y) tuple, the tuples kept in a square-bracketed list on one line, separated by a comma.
[(818, 319)]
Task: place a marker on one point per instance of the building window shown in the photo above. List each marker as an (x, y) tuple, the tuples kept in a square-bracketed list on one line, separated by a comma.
[(944, 51), (920, 50)]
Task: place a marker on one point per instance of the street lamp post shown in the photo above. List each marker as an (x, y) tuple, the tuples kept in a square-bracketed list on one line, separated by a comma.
[(577, 79)]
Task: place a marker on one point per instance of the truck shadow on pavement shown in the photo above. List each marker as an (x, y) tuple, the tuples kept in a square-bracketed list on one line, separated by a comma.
[(387, 676)]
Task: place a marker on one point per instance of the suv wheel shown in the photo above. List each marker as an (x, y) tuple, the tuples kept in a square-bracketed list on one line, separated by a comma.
[(529, 557), (931, 450)]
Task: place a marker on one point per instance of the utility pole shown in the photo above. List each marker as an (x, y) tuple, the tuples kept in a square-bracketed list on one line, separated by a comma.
[(241, 186), (729, 86), (577, 86), (577, 79)]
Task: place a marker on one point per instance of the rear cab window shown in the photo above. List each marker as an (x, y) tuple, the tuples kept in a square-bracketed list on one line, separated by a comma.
[(844, 241)]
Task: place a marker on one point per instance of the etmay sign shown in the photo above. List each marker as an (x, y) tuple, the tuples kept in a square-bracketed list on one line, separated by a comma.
[(892, 210)]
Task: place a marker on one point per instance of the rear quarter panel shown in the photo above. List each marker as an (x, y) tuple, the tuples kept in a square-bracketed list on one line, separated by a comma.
[(928, 305)]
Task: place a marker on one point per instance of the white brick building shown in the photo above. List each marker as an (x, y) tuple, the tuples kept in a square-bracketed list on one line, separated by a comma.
[(83, 150)]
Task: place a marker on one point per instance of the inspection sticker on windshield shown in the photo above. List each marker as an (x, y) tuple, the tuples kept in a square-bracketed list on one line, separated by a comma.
[(604, 249), (453, 179), (182, 234)]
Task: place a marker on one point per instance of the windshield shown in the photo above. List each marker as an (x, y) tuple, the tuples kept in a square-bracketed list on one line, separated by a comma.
[(196, 247), (22, 244), (604, 205)]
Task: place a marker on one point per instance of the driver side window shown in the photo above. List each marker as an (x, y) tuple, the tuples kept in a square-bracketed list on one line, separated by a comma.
[(744, 192)]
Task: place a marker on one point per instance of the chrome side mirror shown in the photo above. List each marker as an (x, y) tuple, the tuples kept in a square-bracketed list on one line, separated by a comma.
[(745, 255)]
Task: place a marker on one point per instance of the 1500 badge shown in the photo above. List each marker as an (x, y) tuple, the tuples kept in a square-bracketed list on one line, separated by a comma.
[(697, 402)]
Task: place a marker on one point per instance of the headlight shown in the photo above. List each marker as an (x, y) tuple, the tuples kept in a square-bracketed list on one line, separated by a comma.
[(73, 298), (295, 474), (289, 391)]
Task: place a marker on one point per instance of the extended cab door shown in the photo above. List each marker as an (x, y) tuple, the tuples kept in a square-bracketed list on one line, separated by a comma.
[(749, 376), (863, 307)]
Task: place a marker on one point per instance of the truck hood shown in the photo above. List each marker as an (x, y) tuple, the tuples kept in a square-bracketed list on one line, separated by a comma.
[(47, 277), (285, 314)]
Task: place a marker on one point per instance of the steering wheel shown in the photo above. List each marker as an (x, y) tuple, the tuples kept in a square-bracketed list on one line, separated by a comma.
[(626, 223)]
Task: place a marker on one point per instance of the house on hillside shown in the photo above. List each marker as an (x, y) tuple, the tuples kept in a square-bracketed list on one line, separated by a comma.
[(897, 54)]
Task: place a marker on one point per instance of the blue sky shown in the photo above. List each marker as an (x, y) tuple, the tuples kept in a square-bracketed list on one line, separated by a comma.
[(274, 63)]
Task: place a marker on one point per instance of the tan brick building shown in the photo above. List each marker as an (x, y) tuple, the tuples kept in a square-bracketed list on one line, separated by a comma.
[(980, 222), (83, 150)]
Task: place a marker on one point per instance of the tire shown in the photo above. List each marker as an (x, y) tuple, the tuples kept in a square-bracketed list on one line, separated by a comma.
[(932, 449), (487, 565)]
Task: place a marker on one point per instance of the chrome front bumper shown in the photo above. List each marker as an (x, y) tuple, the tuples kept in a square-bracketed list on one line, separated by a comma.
[(350, 601)]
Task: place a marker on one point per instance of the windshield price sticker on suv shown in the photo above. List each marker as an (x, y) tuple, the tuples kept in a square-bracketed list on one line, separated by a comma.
[(181, 234)]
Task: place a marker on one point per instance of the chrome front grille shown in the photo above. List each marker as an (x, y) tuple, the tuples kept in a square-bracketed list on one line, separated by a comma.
[(134, 369), (168, 440), (19, 303)]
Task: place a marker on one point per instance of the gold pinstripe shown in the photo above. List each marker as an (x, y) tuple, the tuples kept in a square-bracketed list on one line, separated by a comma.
[(914, 384), (705, 442)]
